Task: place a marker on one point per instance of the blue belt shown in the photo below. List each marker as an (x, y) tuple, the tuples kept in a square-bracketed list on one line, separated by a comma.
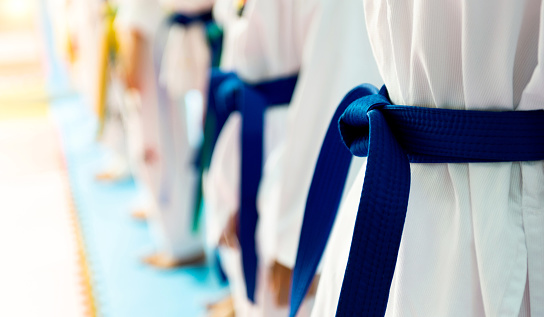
[(227, 93), (393, 137), (188, 19)]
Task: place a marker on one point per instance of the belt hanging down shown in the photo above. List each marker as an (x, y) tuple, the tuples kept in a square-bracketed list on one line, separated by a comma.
[(228, 94)]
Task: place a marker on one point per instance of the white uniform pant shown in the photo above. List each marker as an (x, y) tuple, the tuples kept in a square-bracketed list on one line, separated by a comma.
[(172, 223)]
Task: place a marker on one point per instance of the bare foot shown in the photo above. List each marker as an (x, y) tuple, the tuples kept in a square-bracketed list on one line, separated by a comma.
[(280, 284), (223, 308), (107, 176), (163, 261), (140, 215), (229, 236), (313, 287)]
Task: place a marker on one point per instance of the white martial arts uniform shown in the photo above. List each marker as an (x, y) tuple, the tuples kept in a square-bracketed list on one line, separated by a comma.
[(225, 15), (85, 23), (316, 32), (473, 241), (114, 136), (142, 124), (256, 57), (184, 68), (333, 62)]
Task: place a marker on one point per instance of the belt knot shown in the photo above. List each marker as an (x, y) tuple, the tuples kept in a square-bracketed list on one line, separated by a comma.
[(355, 121)]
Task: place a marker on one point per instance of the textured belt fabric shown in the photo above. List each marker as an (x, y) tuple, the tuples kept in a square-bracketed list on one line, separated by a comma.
[(323, 200), (392, 137), (188, 19), (227, 93)]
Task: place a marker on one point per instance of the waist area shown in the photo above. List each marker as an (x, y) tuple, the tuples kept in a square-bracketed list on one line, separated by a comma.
[(432, 135), (187, 19)]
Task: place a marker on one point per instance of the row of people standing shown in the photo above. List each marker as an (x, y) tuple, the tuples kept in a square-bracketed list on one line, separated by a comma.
[(258, 49), (436, 55)]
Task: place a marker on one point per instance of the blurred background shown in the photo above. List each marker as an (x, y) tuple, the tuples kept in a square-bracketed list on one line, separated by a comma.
[(70, 245)]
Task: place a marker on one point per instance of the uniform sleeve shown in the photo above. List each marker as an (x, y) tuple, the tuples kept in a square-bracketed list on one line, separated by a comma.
[(533, 95)]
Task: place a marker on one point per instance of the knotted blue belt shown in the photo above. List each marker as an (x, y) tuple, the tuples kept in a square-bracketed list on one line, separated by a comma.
[(227, 93), (392, 137)]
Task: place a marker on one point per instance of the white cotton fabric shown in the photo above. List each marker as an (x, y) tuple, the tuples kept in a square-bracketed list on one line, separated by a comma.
[(84, 22), (143, 16), (114, 135), (225, 14), (336, 56), (253, 61), (473, 241), (256, 51), (187, 55), (184, 69), (217, 214), (280, 37), (218, 196), (186, 6)]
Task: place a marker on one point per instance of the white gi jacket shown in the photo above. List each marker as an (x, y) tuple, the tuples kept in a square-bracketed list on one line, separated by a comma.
[(225, 13), (255, 58), (336, 56), (184, 67), (187, 55), (473, 241), (258, 51), (217, 214), (315, 33), (85, 23), (145, 17)]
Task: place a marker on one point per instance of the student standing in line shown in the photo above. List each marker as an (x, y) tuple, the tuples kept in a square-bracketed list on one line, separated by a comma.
[(309, 35), (335, 55), (473, 237), (137, 23), (183, 66)]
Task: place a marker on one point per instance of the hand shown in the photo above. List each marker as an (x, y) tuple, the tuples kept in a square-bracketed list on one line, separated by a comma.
[(131, 46), (150, 156), (280, 283), (229, 237)]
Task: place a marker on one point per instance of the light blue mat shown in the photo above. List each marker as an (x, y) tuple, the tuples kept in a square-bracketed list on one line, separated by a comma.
[(114, 242)]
